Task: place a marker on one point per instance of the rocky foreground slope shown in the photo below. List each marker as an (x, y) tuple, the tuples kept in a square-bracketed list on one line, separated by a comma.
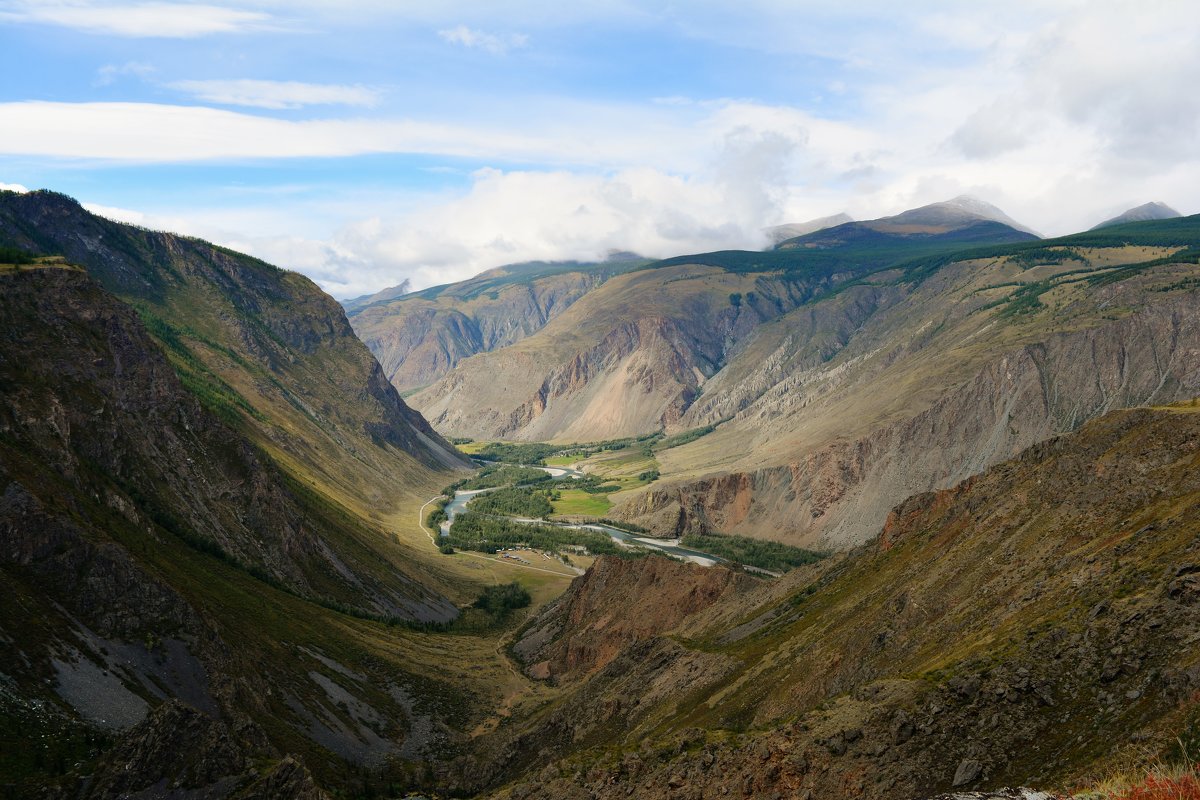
[(1033, 625), (197, 464)]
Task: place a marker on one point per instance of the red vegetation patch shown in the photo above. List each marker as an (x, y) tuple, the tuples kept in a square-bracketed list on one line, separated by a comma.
[(1155, 787)]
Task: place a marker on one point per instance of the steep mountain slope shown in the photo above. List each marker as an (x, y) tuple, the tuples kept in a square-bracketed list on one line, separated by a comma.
[(149, 552), (1032, 625), (263, 347), (199, 470), (625, 359), (833, 419), (100, 413), (1142, 213), (581, 632), (633, 355), (421, 336)]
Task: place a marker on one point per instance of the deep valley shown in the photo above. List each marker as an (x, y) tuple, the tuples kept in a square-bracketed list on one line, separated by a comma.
[(895, 508)]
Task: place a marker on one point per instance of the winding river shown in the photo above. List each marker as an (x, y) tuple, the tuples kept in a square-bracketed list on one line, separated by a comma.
[(623, 538)]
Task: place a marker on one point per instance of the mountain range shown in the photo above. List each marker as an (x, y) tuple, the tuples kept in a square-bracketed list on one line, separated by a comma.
[(842, 371), (222, 579)]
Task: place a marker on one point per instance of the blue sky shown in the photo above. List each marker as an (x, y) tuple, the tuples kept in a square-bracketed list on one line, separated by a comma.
[(369, 142)]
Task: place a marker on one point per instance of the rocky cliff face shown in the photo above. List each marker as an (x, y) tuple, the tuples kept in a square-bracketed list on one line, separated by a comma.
[(628, 359), (147, 549), (838, 493), (1025, 627), (582, 631), (420, 337), (100, 415)]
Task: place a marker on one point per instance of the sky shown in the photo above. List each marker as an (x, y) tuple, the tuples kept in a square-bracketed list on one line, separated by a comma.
[(366, 143)]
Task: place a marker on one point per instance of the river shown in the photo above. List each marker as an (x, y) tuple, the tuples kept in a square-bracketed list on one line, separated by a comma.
[(624, 538)]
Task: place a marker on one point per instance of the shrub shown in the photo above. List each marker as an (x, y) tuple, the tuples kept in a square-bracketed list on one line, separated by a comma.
[(518, 501), (752, 552), (499, 600)]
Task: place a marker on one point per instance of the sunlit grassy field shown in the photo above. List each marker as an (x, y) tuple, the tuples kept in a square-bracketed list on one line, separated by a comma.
[(576, 502)]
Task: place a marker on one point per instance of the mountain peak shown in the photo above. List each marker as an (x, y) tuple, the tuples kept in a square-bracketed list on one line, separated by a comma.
[(1142, 213), (954, 213)]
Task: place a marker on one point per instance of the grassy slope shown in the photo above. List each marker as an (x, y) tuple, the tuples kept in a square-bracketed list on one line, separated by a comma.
[(270, 354), (1030, 586), (253, 354)]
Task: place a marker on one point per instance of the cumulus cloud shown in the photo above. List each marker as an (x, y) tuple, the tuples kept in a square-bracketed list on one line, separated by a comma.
[(512, 216), (13, 187), (496, 44), (276, 94), (142, 20)]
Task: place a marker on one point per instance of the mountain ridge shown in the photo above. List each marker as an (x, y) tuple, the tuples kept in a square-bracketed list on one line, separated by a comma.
[(420, 336), (775, 360), (723, 298), (790, 230), (1142, 213)]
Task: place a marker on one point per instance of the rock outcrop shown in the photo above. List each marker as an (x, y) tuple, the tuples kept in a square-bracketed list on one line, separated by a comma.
[(179, 753), (582, 631)]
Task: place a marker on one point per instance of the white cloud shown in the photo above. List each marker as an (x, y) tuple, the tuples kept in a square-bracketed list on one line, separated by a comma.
[(140, 20), (13, 187), (108, 74), (588, 136), (497, 44), (181, 224), (516, 216), (277, 94), (148, 132)]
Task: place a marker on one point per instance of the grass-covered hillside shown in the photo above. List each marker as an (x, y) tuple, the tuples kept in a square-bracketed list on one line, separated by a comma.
[(1035, 625)]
